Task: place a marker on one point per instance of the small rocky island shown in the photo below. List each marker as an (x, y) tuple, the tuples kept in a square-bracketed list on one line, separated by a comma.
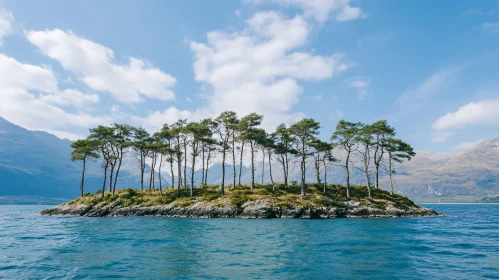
[(241, 202)]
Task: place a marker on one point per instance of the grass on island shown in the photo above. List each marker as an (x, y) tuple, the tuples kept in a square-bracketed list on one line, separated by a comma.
[(236, 196)]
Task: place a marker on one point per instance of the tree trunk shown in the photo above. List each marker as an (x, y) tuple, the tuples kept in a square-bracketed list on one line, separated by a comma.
[(303, 167), (194, 151), (83, 177), (185, 164), (283, 162), (118, 170), (234, 158), (317, 164), (222, 189), (286, 170), (325, 175), (202, 160), (104, 183), (270, 170), (367, 160), (263, 164), (151, 176), (159, 174), (207, 167), (111, 179), (377, 176), (252, 165), (390, 171), (348, 172), (142, 167), (179, 172), (241, 162)]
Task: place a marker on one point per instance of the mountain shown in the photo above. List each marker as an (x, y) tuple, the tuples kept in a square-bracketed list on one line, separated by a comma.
[(35, 163)]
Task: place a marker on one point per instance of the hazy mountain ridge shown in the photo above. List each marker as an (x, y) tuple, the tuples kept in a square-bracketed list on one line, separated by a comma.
[(35, 163)]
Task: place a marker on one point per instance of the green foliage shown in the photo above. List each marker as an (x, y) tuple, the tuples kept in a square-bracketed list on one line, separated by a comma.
[(239, 199), (127, 202), (210, 195)]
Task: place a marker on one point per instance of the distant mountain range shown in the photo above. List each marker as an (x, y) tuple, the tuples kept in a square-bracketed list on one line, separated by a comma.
[(35, 163)]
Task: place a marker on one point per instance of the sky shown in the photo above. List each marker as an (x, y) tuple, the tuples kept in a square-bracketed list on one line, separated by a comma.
[(431, 68)]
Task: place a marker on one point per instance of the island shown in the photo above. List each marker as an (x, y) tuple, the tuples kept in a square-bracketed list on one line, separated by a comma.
[(264, 201), (189, 149)]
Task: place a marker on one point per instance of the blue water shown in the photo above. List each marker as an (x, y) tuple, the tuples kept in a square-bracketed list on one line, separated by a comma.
[(463, 245)]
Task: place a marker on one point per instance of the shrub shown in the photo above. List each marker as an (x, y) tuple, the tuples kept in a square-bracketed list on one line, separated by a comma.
[(209, 196), (113, 198), (239, 200), (127, 202)]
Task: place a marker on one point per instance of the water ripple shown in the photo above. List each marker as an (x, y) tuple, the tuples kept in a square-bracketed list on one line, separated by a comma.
[(463, 245)]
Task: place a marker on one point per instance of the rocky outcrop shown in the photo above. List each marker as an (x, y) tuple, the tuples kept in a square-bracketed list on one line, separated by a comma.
[(249, 210)]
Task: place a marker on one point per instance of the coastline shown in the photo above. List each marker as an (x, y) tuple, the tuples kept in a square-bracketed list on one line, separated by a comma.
[(243, 203)]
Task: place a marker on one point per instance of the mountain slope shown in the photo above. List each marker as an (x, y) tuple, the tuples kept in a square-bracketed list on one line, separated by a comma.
[(35, 163)]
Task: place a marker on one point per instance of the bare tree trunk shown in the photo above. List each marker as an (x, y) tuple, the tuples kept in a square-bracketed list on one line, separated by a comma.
[(194, 151), (377, 176), (390, 171), (202, 160), (142, 167), (317, 170), (83, 177), (286, 170), (179, 172), (118, 170), (104, 183), (185, 163), (207, 167), (263, 164), (303, 168), (270, 170), (111, 179), (325, 174), (348, 173), (252, 165), (241, 162), (159, 173), (151, 178), (222, 190), (234, 159), (367, 160)]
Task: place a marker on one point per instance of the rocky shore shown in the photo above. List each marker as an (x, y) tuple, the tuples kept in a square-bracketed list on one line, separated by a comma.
[(248, 210)]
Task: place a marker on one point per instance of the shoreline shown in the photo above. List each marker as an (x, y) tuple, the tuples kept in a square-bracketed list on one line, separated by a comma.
[(242, 202)]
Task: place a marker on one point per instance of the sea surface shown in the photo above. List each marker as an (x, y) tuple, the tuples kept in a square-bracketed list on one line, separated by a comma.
[(462, 245)]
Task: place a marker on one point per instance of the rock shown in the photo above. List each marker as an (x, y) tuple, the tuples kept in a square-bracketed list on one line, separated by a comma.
[(249, 210)]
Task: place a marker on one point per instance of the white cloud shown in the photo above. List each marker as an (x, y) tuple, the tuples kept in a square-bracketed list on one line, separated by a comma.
[(362, 94), (154, 121), (491, 26), (6, 24), (93, 63), (16, 74), (22, 107), (466, 145), (70, 97), (257, 69), (320, 10), (336, 116), (442, 136), (473, 113), (416, 97), (361, 85)]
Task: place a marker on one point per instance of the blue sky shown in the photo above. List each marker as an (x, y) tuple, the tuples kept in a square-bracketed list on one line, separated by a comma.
[(429, 67)]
